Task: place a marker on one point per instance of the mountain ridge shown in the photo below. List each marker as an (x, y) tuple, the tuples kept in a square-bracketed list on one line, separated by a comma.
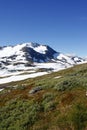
[(33, 57), (8, 51)]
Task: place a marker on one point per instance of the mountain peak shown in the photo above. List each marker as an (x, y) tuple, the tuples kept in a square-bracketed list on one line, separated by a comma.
[(21, 56), (30, 57), (29, 44)]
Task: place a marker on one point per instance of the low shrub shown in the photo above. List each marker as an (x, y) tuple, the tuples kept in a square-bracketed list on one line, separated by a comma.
[(19, 115), (66, 84), (49, 106), (79, 116), (48, 101)]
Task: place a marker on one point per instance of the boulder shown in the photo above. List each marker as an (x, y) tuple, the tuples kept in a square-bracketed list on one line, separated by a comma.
[(35, 90)]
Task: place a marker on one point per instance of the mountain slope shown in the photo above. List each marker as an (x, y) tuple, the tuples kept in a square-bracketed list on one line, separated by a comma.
[(34, 52), (56, 101), (32, 57)]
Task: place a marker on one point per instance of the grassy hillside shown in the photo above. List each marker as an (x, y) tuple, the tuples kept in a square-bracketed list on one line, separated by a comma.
[(56, 101)]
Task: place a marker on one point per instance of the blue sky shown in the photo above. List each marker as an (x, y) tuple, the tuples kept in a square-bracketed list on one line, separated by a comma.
[(62, 24)]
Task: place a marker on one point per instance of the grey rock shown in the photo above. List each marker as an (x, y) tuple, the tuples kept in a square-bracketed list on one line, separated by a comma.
[(35, 90)]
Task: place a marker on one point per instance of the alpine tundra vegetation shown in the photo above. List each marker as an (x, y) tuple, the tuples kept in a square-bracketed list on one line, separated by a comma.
[(55, 101)]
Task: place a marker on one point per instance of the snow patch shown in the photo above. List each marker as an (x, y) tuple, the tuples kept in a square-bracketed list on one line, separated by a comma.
[(57, 77), (1, 89), (21, 77), (41, 49)]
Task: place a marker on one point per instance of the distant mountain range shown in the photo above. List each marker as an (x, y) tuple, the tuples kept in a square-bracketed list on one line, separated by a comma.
[(33, 55)]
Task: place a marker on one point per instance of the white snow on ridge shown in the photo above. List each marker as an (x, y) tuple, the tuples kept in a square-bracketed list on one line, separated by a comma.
[(9, 51), (41, 49), (21, 77), (65, 57), (16, 50)]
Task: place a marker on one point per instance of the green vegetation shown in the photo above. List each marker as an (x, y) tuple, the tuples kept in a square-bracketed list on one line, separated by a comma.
[(60, 105)]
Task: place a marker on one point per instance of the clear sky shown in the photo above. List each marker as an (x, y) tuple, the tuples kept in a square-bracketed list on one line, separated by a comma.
[(62, 24)]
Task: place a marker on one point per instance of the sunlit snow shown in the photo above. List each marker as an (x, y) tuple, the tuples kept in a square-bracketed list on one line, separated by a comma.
[(41, 49), (16, 63), (20, 77)]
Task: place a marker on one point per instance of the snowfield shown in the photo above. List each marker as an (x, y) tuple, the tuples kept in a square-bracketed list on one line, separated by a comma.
[(27, 60), (53, 66), (20, 77), (17, 76)]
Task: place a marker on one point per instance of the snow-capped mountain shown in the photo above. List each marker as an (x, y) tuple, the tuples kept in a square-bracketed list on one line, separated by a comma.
[(27, 54), (30, 57)]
